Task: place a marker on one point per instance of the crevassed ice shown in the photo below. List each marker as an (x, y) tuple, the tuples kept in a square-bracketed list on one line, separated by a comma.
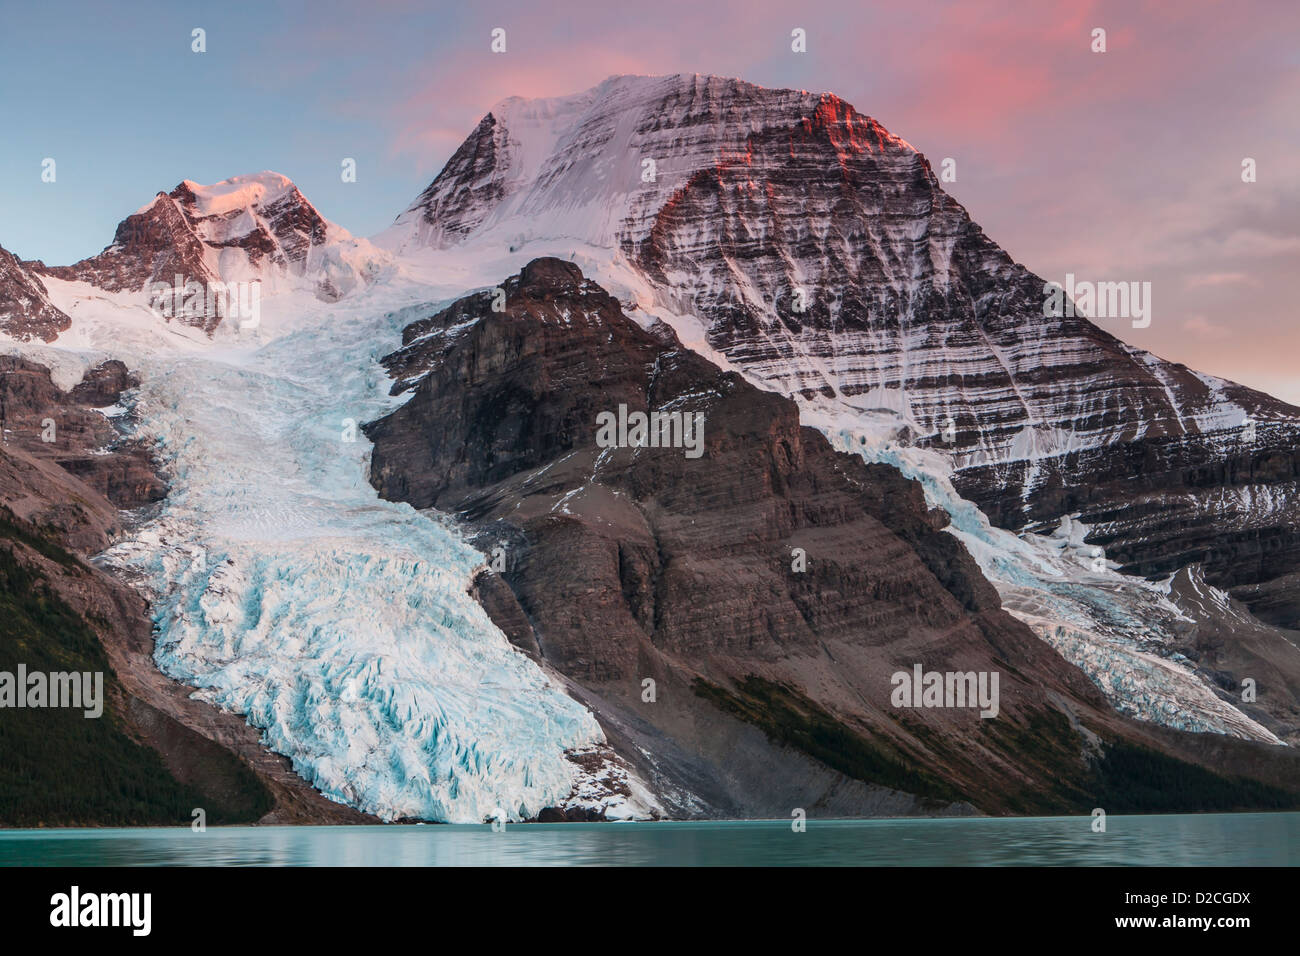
[(286, 590)]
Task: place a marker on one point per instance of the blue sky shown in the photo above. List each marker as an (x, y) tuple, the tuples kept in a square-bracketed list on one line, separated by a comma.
[(116, 96), (1122, 166)]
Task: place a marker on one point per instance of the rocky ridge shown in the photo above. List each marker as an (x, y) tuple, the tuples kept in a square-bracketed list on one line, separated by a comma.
[(824, 260), (618, 566)]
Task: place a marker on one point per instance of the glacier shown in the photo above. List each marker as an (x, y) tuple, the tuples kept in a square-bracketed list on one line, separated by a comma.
[(1116, 628), (285, 590)]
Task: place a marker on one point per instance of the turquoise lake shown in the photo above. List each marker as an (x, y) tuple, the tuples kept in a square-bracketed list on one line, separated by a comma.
[(1236, 839)]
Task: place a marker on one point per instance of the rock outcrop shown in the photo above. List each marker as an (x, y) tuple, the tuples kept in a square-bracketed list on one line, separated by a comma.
[(69, 430), (767, 589), (26, 311)]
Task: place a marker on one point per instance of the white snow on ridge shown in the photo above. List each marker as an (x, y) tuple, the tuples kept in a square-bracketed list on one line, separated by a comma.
[(239, 192), (571, 168), (304, 252)]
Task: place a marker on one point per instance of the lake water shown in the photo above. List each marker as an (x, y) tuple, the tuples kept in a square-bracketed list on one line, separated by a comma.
[(1239, 839)]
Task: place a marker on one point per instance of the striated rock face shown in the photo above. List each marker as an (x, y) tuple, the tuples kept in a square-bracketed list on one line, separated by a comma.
[(26, 311), (1214, 498), (245, 229), (825, 261), (152, 245), (621, 565), (445, 212), (1229, 646)]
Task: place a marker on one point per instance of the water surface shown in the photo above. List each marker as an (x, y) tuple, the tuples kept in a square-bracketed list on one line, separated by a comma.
[(1224, 839)]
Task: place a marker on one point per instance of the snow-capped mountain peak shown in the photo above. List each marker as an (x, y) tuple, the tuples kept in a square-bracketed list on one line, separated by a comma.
[(254, 228), (793, 239), (242, 192), (597, 166)]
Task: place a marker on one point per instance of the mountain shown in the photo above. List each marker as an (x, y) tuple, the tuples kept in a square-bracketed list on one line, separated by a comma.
[(470, 632), (802, 244), (249, 228), (26, 311), (784, 236), (767, 587)]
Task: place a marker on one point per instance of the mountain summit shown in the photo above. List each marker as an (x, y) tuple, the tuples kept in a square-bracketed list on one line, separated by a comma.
[(600, 165), (821, 257), (244, 229), (523, 616)]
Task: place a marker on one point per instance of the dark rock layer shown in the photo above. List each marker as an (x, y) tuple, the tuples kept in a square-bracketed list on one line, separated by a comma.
[(632, 564)]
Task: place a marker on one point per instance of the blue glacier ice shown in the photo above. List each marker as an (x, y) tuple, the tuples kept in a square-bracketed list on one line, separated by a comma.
[(339, 624)]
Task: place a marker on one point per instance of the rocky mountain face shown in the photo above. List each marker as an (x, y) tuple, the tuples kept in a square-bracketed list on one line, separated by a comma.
[(733, 618), (26, 311), (245, 229), (66, 430), (1232, 646), (154, 244), (825, 261)]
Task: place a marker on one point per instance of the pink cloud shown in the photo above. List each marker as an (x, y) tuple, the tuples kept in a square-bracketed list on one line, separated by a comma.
[(1217, 278), (1203, 328)]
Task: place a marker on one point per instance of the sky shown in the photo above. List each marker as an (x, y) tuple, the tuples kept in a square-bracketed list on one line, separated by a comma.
[(1117, 166)]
